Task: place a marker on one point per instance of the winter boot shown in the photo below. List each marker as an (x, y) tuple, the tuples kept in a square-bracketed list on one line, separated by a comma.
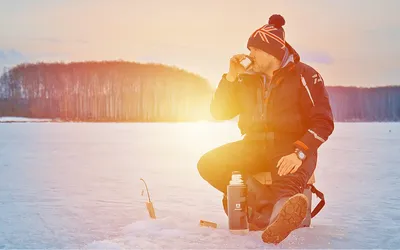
[(287, 215)]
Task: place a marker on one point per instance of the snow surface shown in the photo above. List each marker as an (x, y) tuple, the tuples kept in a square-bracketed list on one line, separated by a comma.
[(76, 185), (21, 119)]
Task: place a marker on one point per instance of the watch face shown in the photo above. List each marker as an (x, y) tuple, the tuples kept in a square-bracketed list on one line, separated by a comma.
[(301, 155)]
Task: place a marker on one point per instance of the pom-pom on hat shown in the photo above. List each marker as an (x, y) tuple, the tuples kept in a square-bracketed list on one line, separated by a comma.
[(270, 37)]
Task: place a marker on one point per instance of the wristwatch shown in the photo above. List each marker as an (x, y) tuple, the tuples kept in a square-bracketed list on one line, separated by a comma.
[(300, 154)]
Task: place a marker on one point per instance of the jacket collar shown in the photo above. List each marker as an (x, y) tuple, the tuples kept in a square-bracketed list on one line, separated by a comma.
[(289, 61)]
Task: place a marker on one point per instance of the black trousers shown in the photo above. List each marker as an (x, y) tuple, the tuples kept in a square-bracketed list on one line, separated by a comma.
[(252, 157)]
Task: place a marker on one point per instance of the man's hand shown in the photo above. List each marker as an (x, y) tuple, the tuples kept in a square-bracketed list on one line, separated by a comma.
[(288, 164), (235, 67)]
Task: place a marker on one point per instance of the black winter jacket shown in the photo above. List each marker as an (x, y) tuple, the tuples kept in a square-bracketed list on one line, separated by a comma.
[(294, 104)]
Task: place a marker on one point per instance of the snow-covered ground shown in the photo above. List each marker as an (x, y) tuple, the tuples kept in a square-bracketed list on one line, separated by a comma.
[(21, 119), (76, 185)]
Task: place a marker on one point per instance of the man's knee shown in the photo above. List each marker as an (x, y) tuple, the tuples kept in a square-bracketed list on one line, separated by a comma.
[(210, 170), (292, 184), (303, 175), (204, 166), (210, 163)]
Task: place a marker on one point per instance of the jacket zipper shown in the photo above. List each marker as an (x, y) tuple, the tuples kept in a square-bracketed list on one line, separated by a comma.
[(267, 93), (263, 96)]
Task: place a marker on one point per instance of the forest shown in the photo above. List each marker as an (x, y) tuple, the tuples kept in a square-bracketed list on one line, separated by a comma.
[(103, 91), (378, 104)]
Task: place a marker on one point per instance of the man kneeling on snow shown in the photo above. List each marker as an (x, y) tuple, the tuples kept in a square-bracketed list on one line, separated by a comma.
[(285, 116)]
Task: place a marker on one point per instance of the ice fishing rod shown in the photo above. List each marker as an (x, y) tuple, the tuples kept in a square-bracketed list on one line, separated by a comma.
[(149, 204), (147, 190)]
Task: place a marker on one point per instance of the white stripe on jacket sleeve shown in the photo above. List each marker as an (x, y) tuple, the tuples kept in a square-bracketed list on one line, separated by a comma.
[(316, 136), (307, 89)]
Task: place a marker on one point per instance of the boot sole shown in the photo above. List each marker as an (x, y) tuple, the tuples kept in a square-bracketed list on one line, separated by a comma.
[(290, 217)]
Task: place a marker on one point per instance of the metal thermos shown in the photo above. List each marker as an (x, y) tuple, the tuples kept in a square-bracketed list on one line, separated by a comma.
[(237, 205)]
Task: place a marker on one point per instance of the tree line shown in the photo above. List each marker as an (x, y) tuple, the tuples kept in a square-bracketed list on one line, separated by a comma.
[(128, 91), (103, 91), (365, 104)]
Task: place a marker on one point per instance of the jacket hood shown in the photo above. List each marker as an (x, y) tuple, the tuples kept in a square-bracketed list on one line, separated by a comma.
[(293, 52)]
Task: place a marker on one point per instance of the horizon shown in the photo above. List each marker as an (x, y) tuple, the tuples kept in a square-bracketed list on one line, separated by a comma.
[(189, 72), (98, 31)]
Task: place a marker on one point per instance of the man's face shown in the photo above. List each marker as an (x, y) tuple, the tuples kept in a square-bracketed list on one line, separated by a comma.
[(263, 62)]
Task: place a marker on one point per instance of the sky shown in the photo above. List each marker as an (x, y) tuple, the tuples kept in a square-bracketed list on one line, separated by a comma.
[(351, 43)]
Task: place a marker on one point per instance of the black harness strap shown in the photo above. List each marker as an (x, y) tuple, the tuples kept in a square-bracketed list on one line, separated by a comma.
[(321, 204)]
